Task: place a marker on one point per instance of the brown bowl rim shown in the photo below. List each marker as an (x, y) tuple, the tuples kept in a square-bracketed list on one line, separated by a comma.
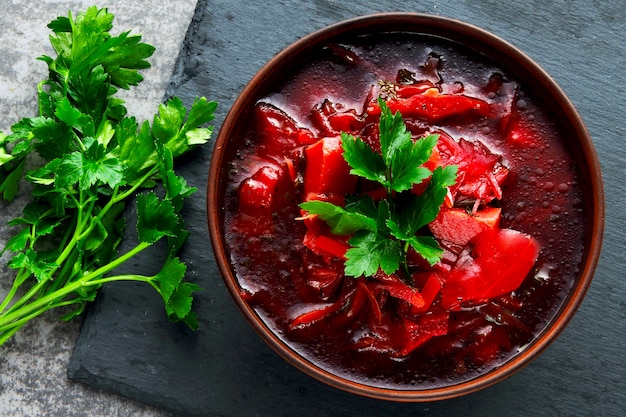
[(479, 40)]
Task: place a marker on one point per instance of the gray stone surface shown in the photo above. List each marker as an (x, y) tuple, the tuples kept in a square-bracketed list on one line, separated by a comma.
[(33, 366)]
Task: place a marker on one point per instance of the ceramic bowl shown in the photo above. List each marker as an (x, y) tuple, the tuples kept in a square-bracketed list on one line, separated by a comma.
[(515, 63)]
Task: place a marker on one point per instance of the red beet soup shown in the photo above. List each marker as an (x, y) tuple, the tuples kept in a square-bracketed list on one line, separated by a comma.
[(514, 174)]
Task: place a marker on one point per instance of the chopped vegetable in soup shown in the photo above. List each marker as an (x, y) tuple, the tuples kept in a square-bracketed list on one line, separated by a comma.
[(404, 213)]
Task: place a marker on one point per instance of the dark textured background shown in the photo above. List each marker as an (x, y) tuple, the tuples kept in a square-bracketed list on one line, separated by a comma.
[(128, 347)]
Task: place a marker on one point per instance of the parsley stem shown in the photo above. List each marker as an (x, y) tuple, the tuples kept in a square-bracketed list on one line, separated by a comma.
[(115, 263), (405, 266), (134, 188), (80, 232), (40, 102), (5, 334), (127, 277), (6, 331), (72, 243), (21, 315), (22, 275), (65, 273), (21, 302), (116, 197)]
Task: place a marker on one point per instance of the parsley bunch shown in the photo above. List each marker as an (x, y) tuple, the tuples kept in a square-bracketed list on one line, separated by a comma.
[(93, 159), (382, 232)]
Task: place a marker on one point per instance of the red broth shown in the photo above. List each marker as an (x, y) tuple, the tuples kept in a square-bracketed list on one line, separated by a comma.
[(541, 196)]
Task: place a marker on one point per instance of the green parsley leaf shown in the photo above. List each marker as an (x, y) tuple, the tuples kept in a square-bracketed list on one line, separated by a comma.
[(363, 160), (393, 133), (423, 209), (170, 277), (93, 167), (341, 221), (383, 231), (406, 168), (179, 305), (371, 252), (135, 147), (156, 218), (202, 112), (426, 246), (53, 139), (74, 118), (176, 294), (100, 168), (32, 262), (10, 179), (18, 241), (178, 132)]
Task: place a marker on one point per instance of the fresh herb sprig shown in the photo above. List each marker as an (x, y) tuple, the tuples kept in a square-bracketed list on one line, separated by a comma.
[(93, 159), (382, 232)]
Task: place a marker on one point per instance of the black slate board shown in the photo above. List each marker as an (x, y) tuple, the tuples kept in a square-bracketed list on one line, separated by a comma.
[(128, 347)]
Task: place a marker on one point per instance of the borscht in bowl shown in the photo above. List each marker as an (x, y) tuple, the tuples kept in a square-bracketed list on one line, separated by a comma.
[(405, 207)]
